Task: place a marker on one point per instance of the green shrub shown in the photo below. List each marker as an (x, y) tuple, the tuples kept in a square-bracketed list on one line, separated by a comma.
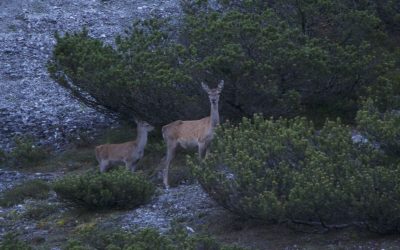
[(35, 189), (251, 166), (114, 189), (327, 189), (10, 242), (145, 239), (379, 122), (286, 170), (379, 199), (26, 153), (40, 210), (381, 128), (138, 78)]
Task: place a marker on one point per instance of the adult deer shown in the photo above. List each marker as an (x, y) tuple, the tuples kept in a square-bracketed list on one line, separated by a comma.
[(189, 134), (129, 152)]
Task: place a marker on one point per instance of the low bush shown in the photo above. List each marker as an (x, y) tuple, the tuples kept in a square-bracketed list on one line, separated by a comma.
[(35, 189), (381, 128), (112, 239), (26, 153), (115, 189), (379, 199), (286, 170), (11, 242), (40, 210), (146, 239)]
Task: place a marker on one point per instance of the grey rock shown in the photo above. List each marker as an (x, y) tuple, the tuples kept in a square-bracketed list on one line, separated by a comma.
[(30, 101), (183, 203)]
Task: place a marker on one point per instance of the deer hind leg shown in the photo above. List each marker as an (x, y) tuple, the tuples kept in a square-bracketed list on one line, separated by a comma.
[(103, 165), (171, 148), (133, 167)]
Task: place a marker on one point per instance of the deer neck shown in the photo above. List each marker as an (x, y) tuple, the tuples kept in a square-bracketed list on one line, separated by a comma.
[(214, 116), (141, 138)]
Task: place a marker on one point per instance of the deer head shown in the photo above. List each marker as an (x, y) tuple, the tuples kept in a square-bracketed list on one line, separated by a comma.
[(213, 94), (144, 125)]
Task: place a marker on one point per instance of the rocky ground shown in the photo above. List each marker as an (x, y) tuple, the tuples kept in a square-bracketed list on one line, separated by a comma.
[(11, 178), (30, 101), (184, 203), (187, 204)]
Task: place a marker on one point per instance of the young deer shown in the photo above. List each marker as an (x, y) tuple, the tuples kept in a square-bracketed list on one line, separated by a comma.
[(189, 134), (129, 152)]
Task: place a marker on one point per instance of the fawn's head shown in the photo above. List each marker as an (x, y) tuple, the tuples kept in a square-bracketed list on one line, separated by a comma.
[(144, 125), (213, 94)]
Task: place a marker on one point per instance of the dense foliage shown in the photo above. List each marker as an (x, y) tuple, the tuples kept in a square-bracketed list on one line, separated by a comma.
[(286, 170), (137, 79), (276, 57), (275, 69), (11, 242), (96, 191), (379, 121)]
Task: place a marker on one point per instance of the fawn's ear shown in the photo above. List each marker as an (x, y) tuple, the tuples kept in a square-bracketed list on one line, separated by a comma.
[(220, 85), (205, 87)]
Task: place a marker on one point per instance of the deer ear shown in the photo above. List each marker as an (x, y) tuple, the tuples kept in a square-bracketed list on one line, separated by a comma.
[(205, 87), (221, 85)]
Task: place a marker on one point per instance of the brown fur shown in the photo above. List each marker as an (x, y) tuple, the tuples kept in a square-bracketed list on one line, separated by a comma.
[(115, 152), (186, 132), (129, 152)]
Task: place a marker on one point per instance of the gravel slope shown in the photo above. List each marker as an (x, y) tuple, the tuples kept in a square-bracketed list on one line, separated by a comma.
[(30, 101)]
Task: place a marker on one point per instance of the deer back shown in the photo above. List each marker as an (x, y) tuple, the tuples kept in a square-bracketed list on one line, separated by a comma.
[(115, 152), (187, 131)]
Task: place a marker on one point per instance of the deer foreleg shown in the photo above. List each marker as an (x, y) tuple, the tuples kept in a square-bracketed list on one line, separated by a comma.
[(103, 165), (204, 147), (170, 155), (132, 166), (202, 150)]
